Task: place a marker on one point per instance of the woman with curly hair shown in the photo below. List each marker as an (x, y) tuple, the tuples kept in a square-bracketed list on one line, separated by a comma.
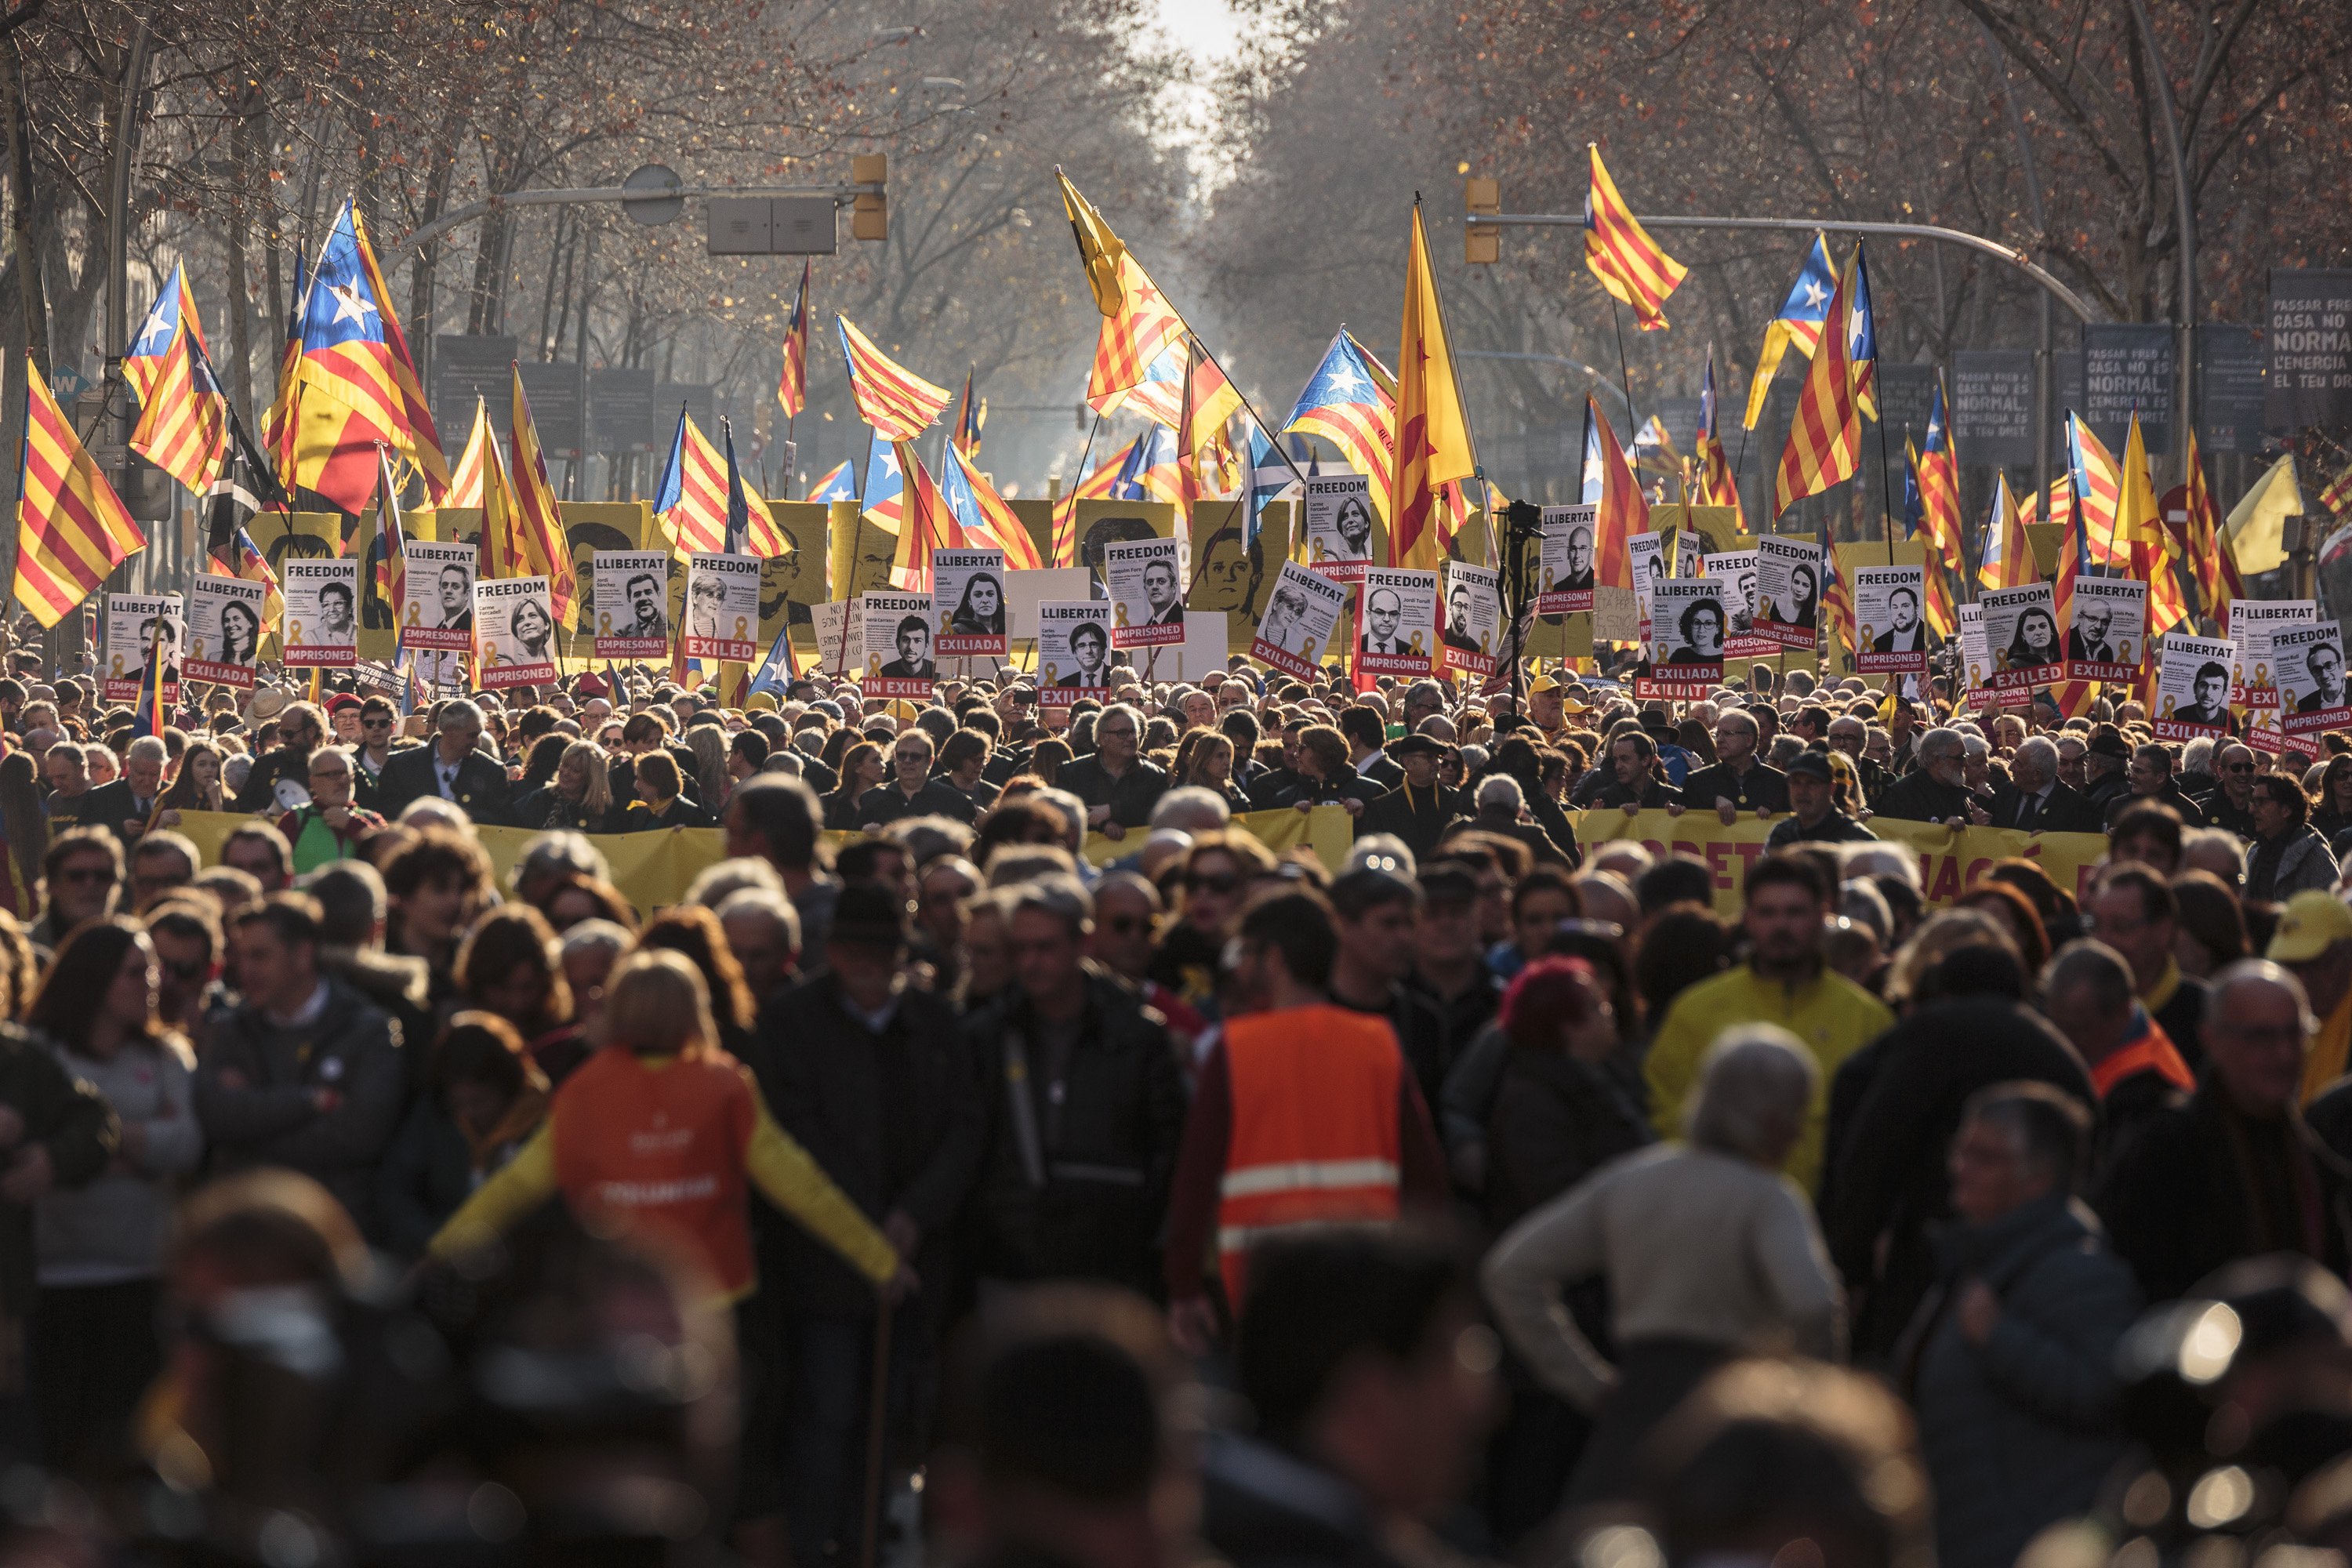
[(695, 932), (435, 887), (508, 966)]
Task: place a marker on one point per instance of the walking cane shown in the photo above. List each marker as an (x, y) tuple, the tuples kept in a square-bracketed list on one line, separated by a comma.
[(876, 1412)]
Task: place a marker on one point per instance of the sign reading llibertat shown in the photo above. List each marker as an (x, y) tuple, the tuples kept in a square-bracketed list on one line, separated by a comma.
[(1072, 650), (2192, 687), (1564, 559), (1295, 633), (321, 619), (2106, 642), (133, 622), (632, 592), (1687, 635), (1473, 618), (223, 630), (436, 610), (2253, 684), (968, 603)]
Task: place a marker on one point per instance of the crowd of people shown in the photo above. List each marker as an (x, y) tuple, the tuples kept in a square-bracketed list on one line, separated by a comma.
[(999, 1147)]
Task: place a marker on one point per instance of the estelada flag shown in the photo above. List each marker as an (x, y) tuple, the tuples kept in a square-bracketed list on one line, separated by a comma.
[(898, 404), (1825, 433)]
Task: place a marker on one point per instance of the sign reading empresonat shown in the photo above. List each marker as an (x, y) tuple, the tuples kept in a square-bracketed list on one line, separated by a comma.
[(968, 603), (1296, 630), (1397, 624), (322, 619), (517, 627), (1564, 557), (1686, 635), (2192, 687), (897, 640), (2023, 631), (632, 603), (223, 630), (2105, 642), (1145, 580), (723, 607), (436, 610), (1977, 691), (1473, 618), (1788, 591), (1072, 650), (1890, 632), (1340, 526), (2309, 660), (133, 622)]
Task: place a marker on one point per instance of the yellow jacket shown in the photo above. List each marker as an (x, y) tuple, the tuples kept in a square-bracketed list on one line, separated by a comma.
[(1833, 1016)]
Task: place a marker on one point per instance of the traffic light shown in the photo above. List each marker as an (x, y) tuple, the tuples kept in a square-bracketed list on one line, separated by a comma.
[(1482, 244), (870, 218)]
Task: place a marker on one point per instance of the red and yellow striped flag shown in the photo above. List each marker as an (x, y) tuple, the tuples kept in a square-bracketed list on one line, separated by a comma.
[(71, 528), (184, 415), (1622, 253), (2141, 528), (2101, 486), (897, 402), (531, 544), (1825, 433), (2210, 559), (1622, 510), (929, 524), (465, 483), (1432, 443), (792, 387)]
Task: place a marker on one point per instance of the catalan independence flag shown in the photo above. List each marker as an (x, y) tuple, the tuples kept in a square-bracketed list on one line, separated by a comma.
[(898, 404), (835, 484), (1798, 326), (987, 521), (928, 525), (71, 528), (184, 415), (885, 500), (1621, 252), (691, 501), (1612, 485), (1345, 404), (2098, 486), (1825, 435), (355, 382), (531, 544), (277, 425), (792, 388)]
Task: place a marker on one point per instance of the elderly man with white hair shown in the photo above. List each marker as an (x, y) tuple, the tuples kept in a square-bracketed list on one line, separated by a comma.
[(1706, 1248), (450, 768), (1937, 790), (2035, 801), (125, 805)]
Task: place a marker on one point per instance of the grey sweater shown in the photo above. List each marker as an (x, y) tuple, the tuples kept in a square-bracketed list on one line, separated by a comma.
[(114, 1229)]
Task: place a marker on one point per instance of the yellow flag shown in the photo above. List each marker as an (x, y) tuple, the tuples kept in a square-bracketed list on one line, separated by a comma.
[(2256, 531), (1098, 247), (1433, 438)]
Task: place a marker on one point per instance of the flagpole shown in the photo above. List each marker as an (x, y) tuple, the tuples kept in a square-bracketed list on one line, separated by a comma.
[(1085, 452), (1624, 375)]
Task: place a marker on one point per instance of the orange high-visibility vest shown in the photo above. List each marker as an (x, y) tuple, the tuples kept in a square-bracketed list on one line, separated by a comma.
[(659, 1150), (1315, 1139)]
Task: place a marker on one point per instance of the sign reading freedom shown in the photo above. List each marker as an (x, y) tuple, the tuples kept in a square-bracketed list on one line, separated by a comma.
[(1949, 861)]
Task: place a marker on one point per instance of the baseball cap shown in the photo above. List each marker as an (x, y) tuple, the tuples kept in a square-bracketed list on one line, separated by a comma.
[(2312, 922), (761, 702), (1811, 764), (1541, 684)]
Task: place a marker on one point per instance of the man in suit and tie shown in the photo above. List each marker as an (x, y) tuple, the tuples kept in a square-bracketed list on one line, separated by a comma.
[(1160, 594), (2086, 639), (124, 805), (456, 589), (2035, 801), (450, 768), (1906, 634), (1381, 612)]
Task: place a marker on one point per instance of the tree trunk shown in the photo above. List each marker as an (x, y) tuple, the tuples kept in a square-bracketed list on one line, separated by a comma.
[(33, 306), (240, 270)]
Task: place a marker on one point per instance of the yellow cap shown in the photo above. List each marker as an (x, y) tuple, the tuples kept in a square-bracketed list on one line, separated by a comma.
[(903, 709), (761, 702), (1541, 684), (2312, 922)]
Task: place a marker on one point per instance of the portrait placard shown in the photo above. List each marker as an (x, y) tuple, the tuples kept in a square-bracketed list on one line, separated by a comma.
[(133, 622), (1788, 591), (224, 628), (1890, 631), (2104, 643), (1396, 625), (2253, 684), (516, 620), (2192, 685), (2309, 662), (436, 610), (1473, 618), (2021, 628), (896, 635), (1146, 580), (322, 620), (723, 607), (1296, 631), (631, 589), (1072, 650), (1735, 570), (1688, 621), (1976, 660), (968, 603), (1564, 559), (1340, 526)]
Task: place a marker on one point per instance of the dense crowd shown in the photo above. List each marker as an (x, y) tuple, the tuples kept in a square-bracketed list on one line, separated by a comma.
[(919, 1175)]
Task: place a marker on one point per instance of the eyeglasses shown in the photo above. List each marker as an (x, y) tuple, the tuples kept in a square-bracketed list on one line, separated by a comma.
[(2237, 767), (1220, 885), (1124, 733), (379, 723)]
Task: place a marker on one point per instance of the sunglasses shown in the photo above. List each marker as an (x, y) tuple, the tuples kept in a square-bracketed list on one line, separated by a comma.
[(375, 723), (1212, 884), (2238, 767)]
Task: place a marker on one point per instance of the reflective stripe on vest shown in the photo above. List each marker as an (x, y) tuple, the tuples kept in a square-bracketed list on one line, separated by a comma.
[(1295, 1175)]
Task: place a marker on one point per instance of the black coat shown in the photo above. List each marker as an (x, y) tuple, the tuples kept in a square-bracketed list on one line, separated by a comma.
[(1080, 1155), (261, 783), (1921, 797), (1556, 1121), (1130, 796), (887, 803), (547, 808), (66, 1116), (1420, 818), (1762, 788), (111, 807), (639, 818), (2191, 814), (2064, 812), (2201, 1185), (890, 1116), (482, 789), (1889, 1182)]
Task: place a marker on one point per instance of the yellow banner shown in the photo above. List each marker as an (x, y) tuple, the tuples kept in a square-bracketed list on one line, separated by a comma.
[(655, 869), (1949, 861)]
